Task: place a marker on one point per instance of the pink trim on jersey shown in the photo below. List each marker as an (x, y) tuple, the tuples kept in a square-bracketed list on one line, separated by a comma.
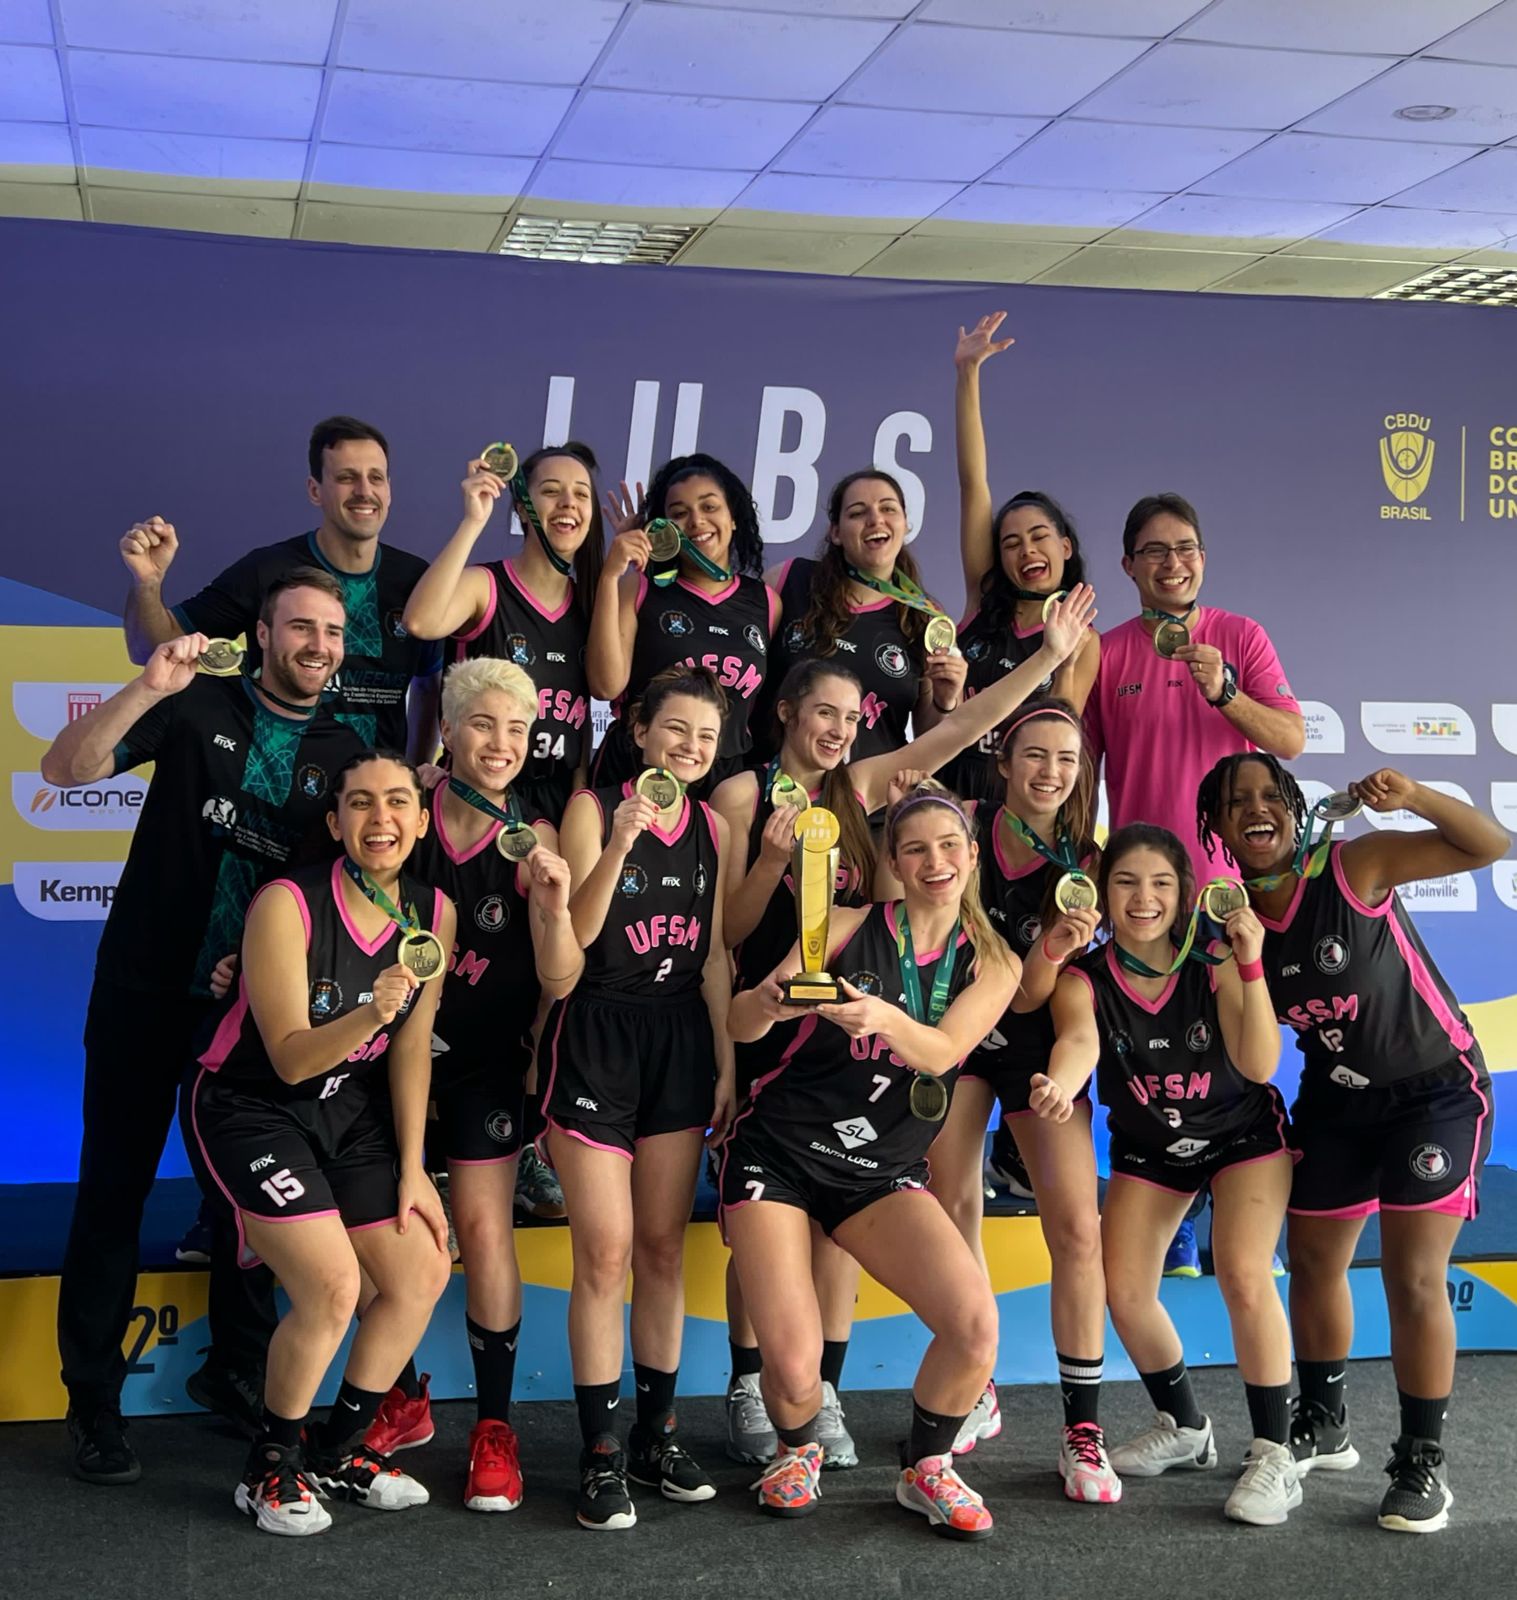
[(555, 1126), (461, 639), (1422, 980), (384, 1222), (1461, 1203), (726, 591), (1086, 979), (1007, 870), (710, 816), (873, 605), (440, 828), (1152, 1007), (1290, 910), (228, 1030), (1025, 633), (629, 788), (342, 906), (1249, 1161), (968, 618), (642, 591), (923, 956), (1480, 1122), (1365, 1208), (563, 1011), (519, 584)]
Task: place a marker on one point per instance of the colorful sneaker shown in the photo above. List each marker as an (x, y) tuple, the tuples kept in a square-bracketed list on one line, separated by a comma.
[(1319, 1440), (1183, 1258), (102, 1451), (788, 1486), (1163, 1446), (1270, 1487), (401, 1423), (494, 1468), (604, 1503), (934, 1490), (660, 1461), (537, 1189), (751, 1438), (983, 1422), (1085, 1468), (1419, 1499), (367, 1479), (838, 1450), (280, 1498)]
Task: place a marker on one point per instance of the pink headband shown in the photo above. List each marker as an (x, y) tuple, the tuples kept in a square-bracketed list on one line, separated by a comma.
[(1032, 716), (943, 800)]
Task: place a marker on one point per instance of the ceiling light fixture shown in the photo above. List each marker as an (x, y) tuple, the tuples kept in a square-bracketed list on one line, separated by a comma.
[(599, 243), (1459, 286), (1424, 113)]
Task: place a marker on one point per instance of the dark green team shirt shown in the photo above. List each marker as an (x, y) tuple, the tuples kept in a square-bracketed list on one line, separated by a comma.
[(238, 795), (381, 658)]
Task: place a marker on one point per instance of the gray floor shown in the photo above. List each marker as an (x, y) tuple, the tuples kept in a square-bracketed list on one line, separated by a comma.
[(175, 1533)]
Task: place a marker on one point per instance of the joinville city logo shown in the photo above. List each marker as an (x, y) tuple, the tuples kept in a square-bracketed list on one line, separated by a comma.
[(1406, 464)]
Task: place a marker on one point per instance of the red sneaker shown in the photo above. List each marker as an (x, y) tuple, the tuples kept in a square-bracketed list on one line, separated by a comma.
[(494, 1468), (401, 1424)]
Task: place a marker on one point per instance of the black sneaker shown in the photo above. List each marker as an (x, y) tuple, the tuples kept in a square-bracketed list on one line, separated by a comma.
[(660, 1461), (604, 1503), (1419, 1499), (367, 1480), (233, 1396), (1319, 1439), (102, 1453)]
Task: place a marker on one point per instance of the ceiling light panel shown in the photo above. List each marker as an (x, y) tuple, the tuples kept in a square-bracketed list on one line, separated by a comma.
[(862, 142), (1484, 98), (232, 30), (660, 130), (1371, 26), (1458, 286), (608, 242)]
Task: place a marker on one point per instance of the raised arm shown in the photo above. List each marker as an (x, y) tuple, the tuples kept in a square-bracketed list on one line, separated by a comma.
[(977, 549), (1462, 839), (752, 888), (451, 595), (613, 622), (148, 550), (1244, 1010), (594, 872), (555, 947)]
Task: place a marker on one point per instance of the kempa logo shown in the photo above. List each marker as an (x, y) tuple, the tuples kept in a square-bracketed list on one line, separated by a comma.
[(1406, 464), (111, 804), (67, 891)]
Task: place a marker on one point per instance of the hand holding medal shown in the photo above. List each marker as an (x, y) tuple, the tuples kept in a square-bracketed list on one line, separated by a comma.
[(419, 952), (171, 667), (502, 462)]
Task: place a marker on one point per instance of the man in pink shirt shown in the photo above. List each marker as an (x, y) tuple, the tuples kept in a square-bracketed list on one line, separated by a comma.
[(1161, 724)]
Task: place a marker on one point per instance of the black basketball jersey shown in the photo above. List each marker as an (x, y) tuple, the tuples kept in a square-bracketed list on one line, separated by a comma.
[(490, 994), (341, 967), (1164, 1074), (1358, 986), (549, 646), (657, 931), (846, 1102), (873, 647), (990, 653)]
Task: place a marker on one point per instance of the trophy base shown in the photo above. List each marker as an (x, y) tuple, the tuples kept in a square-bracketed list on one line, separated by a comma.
[(812, 989)]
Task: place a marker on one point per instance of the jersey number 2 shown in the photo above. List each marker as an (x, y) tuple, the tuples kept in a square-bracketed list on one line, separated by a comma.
[(665, 967)]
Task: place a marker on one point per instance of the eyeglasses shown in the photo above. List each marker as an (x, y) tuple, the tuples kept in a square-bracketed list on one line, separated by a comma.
[(1186, 550)]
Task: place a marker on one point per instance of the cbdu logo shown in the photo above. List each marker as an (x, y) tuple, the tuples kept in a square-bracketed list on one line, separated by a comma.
[(1406, 464)]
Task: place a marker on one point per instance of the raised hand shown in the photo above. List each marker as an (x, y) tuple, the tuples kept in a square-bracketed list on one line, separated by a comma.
[(779, 837), (548, 880), (1384, 790), (635, 814), (622, 512), (1047, 1100), (171, 667), (1245, 933), (1071, 934), (391, 989), (629, 549), (1069, 620), (980, 342), (148, 549), (903, 783), (481, 489)]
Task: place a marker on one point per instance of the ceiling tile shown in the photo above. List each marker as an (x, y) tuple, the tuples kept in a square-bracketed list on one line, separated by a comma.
[(399, 112), (664, 130), (860, 142), (1503, 256), (894, 206), (1355, 171), (1133, 19), (208, 159), (1484, 101), (760, 56), (1123, 155), (1213, 220), (56, 201), (1491, 39), (175, 94), (1485, 182), (1217, 86), (599, 183), (935, 68), (1350, 280), (1400, 233), (41, 144), (202, 213), (30, 88), (236, 30), (778, 251), (1373, 26), (1086, 213), (964, 260), (445, 179), (516, 40), (399, 225), (25, 22), (1100, 266), (890, 10)]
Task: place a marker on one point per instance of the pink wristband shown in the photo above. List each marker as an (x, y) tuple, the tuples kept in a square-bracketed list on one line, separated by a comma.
[(1053, 961), (1251, 971)]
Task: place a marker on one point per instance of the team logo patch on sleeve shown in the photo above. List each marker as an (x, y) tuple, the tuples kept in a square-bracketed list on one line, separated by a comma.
[(1431, 1163)]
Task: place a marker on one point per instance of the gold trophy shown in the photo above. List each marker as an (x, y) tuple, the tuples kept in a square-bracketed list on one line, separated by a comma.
[(814, 868)]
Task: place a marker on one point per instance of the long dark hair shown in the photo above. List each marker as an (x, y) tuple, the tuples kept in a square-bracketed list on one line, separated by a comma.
[(591, 553), (1217, 786), (998, 600), (747, 553), (1146, 836)]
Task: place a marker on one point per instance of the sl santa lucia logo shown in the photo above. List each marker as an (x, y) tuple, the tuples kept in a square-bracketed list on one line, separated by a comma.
[(1406, 464)]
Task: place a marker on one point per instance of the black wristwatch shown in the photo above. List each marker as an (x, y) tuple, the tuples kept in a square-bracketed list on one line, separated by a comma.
[(1229, 685)]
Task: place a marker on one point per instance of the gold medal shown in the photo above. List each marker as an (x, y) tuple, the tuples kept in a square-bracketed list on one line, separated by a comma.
[(222, 658), (501, 459), (422, 955), (787, 792), (941, 634), (659, 786), (516, 844), (1221, 897), (929, 1098), (663, 539), (1171, 636), (1075, 892), (1051, 602), (1337, 807)]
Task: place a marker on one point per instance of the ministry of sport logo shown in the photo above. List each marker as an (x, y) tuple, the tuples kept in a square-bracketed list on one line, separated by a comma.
[(1406, 464)]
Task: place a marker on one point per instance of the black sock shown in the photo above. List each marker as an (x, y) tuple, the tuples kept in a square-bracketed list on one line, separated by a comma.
[(1170, 1391), (655, 1398), (597, 1404), (1269, 1410), (408, 1383), (1422, 1419), (494, 1368), (796, 1437), (1323, 1384), (1080, 1385), (280, 1433), (347, 1422), (932, 1434), (746, 1360), (834, 1354)]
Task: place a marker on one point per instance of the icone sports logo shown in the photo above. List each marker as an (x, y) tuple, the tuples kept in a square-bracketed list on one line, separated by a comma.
[(111, 805)]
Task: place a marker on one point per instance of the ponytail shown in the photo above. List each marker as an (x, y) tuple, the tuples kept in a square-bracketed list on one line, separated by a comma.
[(857, 850)]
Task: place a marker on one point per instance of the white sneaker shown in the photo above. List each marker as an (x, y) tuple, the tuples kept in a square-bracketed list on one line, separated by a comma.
[(283, 1501), (832, 1433), (1270, 1487), (984, 1422), (1086, 1468), (1163, 1446)]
